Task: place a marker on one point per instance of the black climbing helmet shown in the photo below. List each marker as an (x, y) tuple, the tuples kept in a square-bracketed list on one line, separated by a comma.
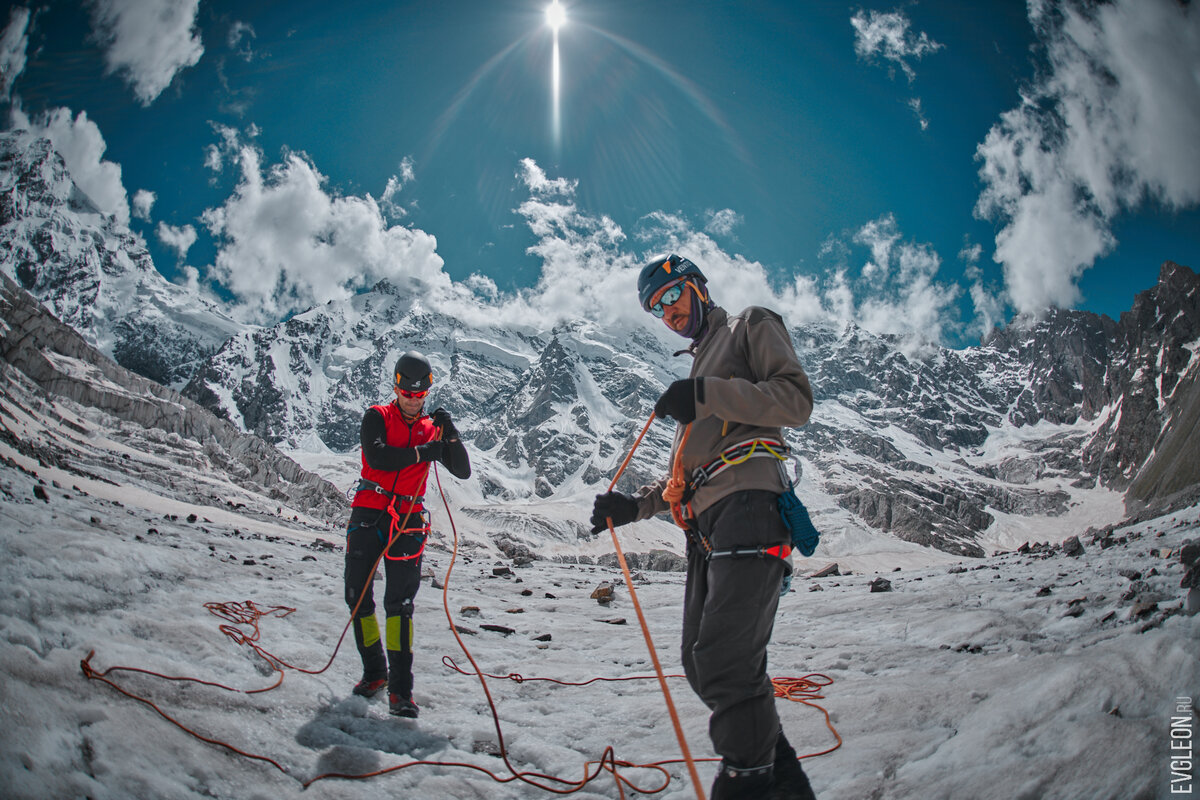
[(663, 270), (413, 372)]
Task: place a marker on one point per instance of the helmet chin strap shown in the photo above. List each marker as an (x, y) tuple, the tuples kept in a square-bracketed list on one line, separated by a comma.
[(701, 302), (405, 415)]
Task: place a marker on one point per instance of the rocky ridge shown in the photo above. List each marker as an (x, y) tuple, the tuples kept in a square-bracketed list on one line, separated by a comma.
[(152, 433), (93, 273)]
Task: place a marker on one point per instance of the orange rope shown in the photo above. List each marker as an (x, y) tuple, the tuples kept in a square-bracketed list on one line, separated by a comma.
[(804, 690), (637, 606), (608, 761), (673, 493)]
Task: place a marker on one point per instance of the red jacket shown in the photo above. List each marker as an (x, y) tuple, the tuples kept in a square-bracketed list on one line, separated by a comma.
[(409, 481)]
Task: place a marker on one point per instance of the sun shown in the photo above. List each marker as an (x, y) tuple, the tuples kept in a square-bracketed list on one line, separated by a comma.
[(556, 16)]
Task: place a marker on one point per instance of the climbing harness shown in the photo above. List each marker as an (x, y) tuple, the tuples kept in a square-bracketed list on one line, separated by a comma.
[(365, 485), (793, 513), (398, 529)]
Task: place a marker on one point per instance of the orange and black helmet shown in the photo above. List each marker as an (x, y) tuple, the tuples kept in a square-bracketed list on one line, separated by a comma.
[(413, 372), (663, 270)]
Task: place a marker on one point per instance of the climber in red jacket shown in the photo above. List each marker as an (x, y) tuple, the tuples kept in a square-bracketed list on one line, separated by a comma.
[(399, 444)]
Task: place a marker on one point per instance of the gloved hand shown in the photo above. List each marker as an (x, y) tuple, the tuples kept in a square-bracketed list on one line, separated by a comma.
[(621, 508), (678, 401), (430, 451), (441, 418)]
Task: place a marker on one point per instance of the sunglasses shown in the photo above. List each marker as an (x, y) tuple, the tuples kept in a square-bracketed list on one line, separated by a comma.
[(669, 298), (405, 393)]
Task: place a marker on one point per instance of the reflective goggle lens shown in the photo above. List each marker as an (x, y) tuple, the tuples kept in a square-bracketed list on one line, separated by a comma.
[(413, 395), (669, 298)]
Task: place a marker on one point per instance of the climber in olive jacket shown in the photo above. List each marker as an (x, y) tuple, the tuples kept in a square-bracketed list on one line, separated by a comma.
[(745, 384)]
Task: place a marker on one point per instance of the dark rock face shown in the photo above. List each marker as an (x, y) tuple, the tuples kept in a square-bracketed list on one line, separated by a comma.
[(47, 362), (95, 274)]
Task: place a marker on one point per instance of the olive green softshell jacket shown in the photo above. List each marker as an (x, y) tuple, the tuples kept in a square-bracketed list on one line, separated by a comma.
[(753, 386)]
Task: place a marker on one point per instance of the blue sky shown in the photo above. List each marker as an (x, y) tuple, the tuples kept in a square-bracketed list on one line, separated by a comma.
[(923, 168)]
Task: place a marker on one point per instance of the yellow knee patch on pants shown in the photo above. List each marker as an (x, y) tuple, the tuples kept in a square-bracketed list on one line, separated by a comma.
[(397, 637), (369, 627)]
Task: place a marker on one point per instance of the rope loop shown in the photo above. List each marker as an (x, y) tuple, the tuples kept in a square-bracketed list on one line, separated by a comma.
[(242, 625)]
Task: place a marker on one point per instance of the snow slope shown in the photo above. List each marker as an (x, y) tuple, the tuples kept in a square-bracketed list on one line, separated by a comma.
[(967, 680)]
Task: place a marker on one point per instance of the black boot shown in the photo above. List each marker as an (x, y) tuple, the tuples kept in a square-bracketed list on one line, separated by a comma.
[(402, 706), (735, 783), (790, 782)]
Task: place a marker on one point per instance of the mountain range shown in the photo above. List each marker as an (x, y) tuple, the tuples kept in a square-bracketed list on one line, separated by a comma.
[(1047, 427)]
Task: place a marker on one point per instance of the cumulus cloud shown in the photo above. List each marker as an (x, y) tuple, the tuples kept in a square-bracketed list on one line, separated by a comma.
[(988, 300), (148, 42), (14, 42), (287, 244), (79, 141), (395, 185), (143, 204), (534, 178), (723, 222), (1109, 124), (227, 148), (178, 238), (900, 295), (589, 272), (885, 36)]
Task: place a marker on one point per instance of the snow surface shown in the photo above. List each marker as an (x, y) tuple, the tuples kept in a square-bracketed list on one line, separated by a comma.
[(967, 680)]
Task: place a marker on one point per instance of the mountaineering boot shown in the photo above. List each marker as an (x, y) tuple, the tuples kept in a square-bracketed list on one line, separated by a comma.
[(369, 687), (790, 782), (402, 707), (736, 783)]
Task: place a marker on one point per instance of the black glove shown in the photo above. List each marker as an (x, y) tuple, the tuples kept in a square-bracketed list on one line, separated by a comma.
[(430, 451), (441, 418), (620, 508), (679, 401)]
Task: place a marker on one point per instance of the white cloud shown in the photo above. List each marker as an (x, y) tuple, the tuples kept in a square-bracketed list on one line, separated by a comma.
[(899, 293), (147, 41), (240, 34), (887, 36), (227, 149), (395, 185), (213, 159), (14, 42), (1110, 124), (82, 147), (534, 178), (143, 204), (285, 244), (917, 108), (723, 222), (880, 236), (179, 239)]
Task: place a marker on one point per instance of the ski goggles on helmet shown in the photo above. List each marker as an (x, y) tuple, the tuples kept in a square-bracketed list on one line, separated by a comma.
[(417, 395), (668, 298)]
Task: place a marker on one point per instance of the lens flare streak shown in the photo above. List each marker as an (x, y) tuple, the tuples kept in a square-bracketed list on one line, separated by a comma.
[(556, 16)]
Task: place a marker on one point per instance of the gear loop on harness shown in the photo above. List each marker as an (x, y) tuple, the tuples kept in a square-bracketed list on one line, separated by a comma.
[(679, 492)]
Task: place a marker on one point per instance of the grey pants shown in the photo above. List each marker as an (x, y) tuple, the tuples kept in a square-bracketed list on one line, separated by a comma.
[(728, 616)]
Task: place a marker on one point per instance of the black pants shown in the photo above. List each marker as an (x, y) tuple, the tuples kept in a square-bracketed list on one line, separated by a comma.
[(728, 616), (364, 543)]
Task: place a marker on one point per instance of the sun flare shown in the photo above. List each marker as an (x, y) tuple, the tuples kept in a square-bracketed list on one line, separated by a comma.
[(556, 15)]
